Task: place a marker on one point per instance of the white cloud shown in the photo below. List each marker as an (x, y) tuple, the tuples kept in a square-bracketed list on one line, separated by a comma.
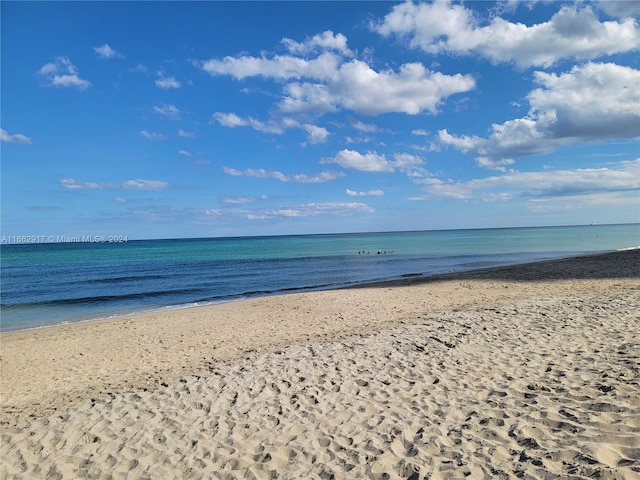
[(322, 177), (52, 68), (328, 83), (238, 200), (167, 83), (152, 135), (324, 41), (167, 110), (136, 184), (330, 209), (182, 133), (144, 185), (72, 184), (621, 177), (367, 162), (186, 153), (257, 173), (620, 8), (592, 102), (312, 209), (105, 51), (420, 132), (573, 32), (349, 139), (357, 87), (63, 73), (374, 162), (364, 127), (280, 67), (232, 120), (120, 200), (14, 138), (405, 161), (353, 193), (315, 133)]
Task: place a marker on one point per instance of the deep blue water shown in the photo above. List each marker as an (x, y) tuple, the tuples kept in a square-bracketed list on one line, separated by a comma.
[(46, 284)]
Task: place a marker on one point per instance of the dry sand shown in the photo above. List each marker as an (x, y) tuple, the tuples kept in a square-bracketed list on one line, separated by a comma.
[(521, 372)]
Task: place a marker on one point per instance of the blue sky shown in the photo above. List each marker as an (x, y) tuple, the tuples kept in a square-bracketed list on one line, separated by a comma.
[(198, 119)]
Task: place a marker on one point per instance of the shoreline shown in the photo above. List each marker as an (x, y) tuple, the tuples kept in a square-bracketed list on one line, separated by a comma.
[(527, 271), (445, 376), (569, 268), (408, 279)]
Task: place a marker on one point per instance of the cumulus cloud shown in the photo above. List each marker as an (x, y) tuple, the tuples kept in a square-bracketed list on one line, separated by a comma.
[(375, 193), (333, 81), (167, 110), (18, 138), (136, 184), (591, 102), (186, 153), (322, 177), (374, 162), (280, 67), (105, 51), (167, 83), (621, 177), (324, 41), (315, 133), (367, 162), (573, 32), (357, 87), (63, 73)]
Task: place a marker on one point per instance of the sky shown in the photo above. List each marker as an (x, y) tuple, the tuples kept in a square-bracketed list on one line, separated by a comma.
[(207, 119)]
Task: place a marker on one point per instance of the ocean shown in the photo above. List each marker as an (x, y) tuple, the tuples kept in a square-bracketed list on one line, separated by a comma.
[(75, 279)]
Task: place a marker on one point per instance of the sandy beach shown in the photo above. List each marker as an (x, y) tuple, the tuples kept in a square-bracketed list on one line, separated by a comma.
[(529, 371)]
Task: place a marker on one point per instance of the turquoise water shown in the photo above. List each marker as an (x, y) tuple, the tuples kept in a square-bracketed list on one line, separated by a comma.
[(46, 284)]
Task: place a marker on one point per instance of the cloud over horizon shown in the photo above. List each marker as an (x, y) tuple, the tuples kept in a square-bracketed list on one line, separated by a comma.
[(616, 178)]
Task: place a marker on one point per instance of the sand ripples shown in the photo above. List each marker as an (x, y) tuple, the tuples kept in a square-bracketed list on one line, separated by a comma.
[(542, 389)]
